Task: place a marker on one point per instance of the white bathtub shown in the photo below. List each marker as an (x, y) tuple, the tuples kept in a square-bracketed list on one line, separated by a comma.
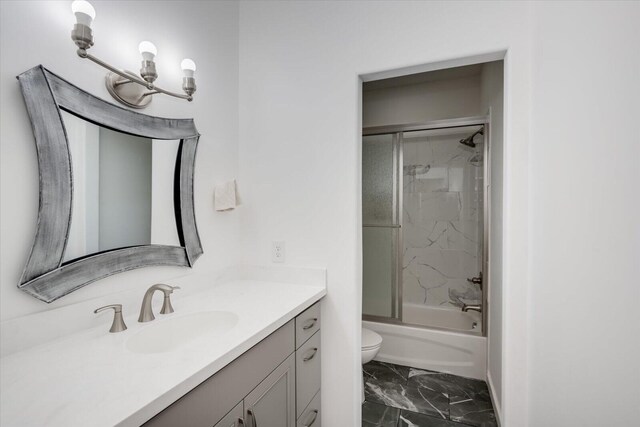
[(460, 353)]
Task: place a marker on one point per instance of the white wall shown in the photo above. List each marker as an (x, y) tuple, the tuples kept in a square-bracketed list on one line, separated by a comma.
[(300, 124), (492, 100), (585, 240), (422, 102), (204, 31)]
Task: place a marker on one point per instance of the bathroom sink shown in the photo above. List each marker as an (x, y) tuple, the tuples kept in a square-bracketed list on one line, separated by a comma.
[(171, 333)]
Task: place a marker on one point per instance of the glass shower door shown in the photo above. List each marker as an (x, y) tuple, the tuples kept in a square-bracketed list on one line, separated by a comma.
[(381, 158), (443, 223)]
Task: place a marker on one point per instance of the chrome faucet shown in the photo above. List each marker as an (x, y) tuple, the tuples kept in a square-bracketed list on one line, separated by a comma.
[(146, 311), (472, 307)]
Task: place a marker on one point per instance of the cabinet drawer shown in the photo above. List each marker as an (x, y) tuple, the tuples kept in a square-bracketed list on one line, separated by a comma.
[(307, 372), (307, 324), (311, 415), (232, 419)]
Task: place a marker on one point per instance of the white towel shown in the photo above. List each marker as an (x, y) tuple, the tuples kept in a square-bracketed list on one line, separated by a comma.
[(225, 196)]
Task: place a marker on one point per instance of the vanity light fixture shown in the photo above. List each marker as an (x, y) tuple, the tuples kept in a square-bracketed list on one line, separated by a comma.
[(125, 86)]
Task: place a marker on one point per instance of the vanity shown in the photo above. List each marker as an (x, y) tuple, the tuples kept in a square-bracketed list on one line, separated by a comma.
[(261, 370)]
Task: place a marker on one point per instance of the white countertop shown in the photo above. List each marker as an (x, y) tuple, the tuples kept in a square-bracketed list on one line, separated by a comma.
[(91, 379)]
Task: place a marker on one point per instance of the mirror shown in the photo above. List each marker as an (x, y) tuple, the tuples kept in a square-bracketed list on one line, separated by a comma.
[(122, 189), (116, 188)]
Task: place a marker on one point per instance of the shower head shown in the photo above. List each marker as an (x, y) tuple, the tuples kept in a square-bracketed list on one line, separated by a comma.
[(468, 141)]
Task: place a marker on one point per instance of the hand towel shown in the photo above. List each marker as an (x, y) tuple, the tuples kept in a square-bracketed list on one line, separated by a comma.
[(225, 196)]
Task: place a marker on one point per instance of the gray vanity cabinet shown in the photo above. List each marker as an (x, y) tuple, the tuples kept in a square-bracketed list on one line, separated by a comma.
[(273, 402), (276, 383)]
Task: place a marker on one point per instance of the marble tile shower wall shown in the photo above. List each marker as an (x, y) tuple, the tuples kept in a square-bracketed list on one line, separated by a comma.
[(442, 220)]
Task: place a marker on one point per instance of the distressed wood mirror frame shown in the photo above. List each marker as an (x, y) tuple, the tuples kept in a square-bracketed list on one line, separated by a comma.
[(45, 275)]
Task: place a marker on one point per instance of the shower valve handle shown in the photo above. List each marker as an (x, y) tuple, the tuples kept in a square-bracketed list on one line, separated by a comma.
[(476, 280)]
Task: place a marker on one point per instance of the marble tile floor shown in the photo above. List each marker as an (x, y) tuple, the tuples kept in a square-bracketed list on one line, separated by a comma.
[(401, 396)]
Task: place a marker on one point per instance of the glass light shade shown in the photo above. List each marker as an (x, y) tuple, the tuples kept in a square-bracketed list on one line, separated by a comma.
[(85, 13), (188, 67), (147, 50)]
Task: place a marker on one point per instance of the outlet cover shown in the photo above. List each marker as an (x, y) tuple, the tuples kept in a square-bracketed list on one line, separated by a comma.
[(277, 251)]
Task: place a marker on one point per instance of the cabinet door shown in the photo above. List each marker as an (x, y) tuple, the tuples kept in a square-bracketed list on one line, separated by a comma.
[(272, 402), (233, 418)]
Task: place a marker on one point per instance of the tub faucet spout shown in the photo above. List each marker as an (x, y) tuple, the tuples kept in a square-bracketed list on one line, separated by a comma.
[(472, 307)]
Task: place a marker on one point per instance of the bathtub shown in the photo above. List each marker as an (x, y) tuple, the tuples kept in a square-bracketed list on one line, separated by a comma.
[(462, 351)]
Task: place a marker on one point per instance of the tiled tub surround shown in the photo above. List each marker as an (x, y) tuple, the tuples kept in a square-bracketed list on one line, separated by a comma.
[(90, 378), (442, 218), (400, 396)]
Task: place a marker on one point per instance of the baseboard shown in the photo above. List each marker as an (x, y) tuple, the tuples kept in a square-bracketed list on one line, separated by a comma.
[(496, 404)]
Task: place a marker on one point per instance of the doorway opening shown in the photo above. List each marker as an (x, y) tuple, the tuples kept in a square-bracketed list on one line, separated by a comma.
[(429, 147)]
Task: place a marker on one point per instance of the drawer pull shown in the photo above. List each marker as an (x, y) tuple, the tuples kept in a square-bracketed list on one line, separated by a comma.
[(254, 422), (311, 356), (310, 324), (313, 420), (240, 422)]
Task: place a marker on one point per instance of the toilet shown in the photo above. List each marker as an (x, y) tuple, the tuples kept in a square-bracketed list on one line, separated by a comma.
[(371, 343)]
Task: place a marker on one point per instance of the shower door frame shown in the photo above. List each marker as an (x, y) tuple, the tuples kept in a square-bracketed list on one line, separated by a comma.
[(398, 210)]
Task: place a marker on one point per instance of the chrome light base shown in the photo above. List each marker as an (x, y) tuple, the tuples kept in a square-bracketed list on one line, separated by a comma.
[(189, 86), (82, 36), (148, 71), (127, 92)]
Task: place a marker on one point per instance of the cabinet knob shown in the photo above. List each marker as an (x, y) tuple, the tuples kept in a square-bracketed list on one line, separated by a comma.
[(254, 422), (314, 416), (314, 350), (310, 324)]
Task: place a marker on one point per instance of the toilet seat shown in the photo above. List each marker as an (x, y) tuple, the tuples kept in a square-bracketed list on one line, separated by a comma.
[(370, 339)]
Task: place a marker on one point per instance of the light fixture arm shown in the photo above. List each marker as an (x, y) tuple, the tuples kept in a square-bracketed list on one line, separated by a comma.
[(130, 78)]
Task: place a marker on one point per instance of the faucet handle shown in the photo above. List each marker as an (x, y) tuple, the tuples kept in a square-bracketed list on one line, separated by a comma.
[(118, 324), (166, 304), (164, 287)]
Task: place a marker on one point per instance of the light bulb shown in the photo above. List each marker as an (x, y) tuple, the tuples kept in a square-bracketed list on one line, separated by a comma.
[(147, 50), (188, 67), (85, 13)]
